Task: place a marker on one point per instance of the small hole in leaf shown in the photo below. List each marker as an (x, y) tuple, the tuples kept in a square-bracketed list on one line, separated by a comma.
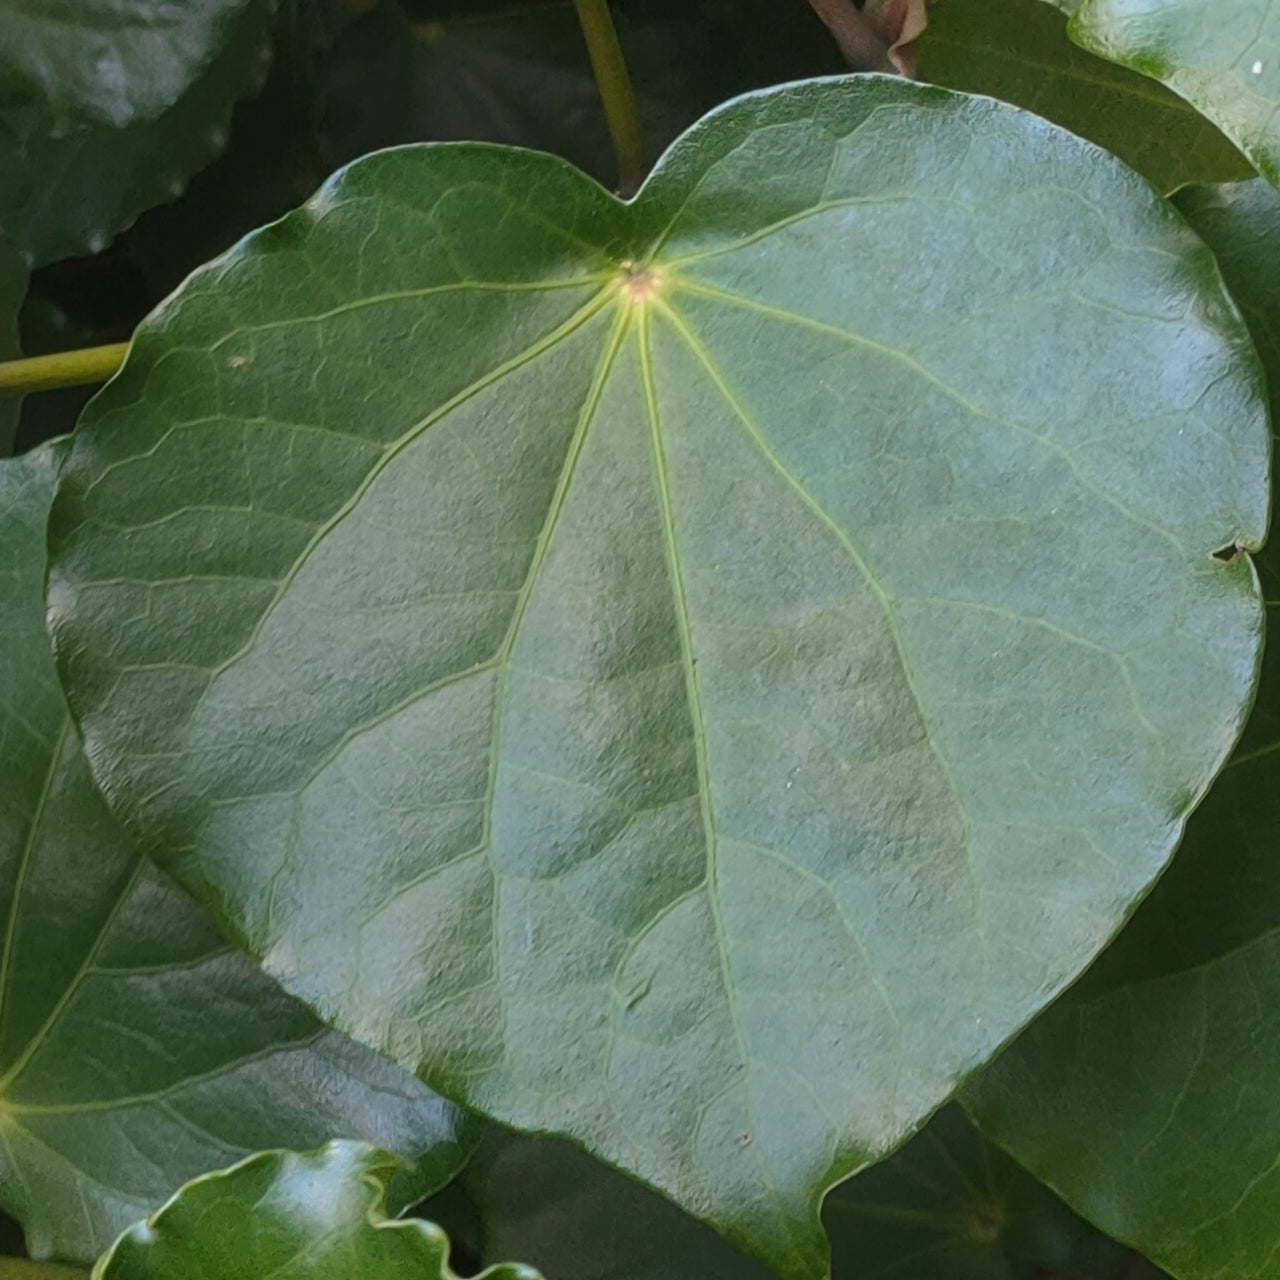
[(1232, 551)]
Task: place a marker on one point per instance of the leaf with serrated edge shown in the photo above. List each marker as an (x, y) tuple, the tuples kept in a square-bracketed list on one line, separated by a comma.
[(67, 195), (1150, 1096), (1018, 51), (98, 62), (1222, 56), (137, 1048), (709, 666), (316, 1216)]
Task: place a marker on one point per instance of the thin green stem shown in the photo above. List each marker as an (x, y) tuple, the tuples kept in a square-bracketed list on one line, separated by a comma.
[(616, 93), (63, 369)]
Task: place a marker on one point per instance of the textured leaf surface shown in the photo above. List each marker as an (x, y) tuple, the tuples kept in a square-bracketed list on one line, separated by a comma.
[(702, 668), (951, 1206), (1018, 50), (13, 289), (1223, 56), (1150, 1095), (72, 194), (137, 1048), (101, 62), (317, 1216), (947, 1206)]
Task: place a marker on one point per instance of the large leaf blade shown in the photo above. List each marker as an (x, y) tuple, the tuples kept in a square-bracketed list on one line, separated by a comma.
[(665, 771), (137, 1047), (1147, 1096)]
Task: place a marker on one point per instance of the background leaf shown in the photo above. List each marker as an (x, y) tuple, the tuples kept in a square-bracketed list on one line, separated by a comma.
[(67, 194), (1149, 1096), (1018, 50), (676, 704), (317, 1216), (1223, 56), (25, 1269), (137, 1048), (97, 62), (13, 288), (548, 1202), (951, 1206), (947, 1206)]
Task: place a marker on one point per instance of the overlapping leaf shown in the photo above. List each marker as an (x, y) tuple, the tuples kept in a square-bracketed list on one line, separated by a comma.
[(1150, 1095), (61, 195), (947, 1206), (1018, 50), (137, 1048), (950, 1206), (318, 1216), (1222, 56), (98, 62), (694, 675), (548, 1202)]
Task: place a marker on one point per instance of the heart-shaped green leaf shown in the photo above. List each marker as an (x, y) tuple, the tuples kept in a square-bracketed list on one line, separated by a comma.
[(66, 195), (317, 1216), (702, 668), (137, 1048), (1018, 50), (1150, 1096), (1222, 56), (100, 62)]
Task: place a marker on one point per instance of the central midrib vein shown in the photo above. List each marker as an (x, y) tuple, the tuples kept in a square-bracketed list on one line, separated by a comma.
[(694, 695)]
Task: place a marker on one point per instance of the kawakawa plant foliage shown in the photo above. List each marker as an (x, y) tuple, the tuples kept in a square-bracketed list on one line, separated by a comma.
[(700, 672)]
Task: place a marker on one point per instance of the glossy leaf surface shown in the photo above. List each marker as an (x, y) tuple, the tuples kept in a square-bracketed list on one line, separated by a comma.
[(1222, 56), (62, 195), (316, 1216), (137, 1048), (1019, 51), (100, 62), (707, 667), (1150, 1095), (13, 289)]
